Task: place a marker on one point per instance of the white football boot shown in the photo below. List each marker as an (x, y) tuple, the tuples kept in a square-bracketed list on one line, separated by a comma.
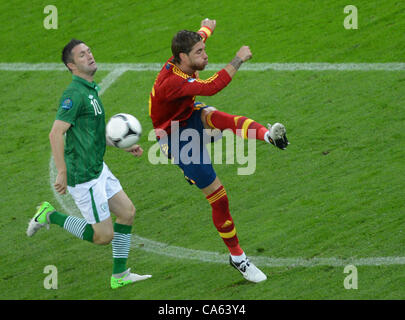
[(249, 271), (127, 278), (277, 135)]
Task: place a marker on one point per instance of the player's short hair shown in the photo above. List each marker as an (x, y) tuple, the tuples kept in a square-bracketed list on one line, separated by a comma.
[(184, 41), (67, 56)]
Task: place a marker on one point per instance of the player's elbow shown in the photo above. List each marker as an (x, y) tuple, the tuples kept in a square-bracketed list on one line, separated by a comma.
[(56, 138), (54, 134), (58, 130), (51, 135)]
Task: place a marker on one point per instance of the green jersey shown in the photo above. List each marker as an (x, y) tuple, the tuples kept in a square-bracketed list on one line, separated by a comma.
[(85, 141)]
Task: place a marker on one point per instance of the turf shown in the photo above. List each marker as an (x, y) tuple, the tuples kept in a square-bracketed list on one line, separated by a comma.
[(336, 192)]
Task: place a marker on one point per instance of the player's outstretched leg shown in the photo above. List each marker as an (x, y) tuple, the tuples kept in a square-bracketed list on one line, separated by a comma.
[(47, 215), (248, 128)]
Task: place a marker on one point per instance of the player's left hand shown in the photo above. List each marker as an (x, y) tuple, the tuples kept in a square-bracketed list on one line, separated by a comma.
[(136, 150), (209, 23)]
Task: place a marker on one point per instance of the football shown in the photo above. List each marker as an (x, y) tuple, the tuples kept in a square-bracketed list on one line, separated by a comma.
[(123, 130)]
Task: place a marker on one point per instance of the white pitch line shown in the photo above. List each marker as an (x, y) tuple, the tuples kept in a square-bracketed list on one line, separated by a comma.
[(214, 257), (68, 205), (110, 79), (248, 66), (164, 249)]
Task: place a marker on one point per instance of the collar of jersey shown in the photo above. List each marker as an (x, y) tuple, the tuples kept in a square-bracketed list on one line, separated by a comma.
[(92, 85)]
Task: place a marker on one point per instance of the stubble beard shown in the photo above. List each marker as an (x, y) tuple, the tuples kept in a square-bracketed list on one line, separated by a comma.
[(198, 67)]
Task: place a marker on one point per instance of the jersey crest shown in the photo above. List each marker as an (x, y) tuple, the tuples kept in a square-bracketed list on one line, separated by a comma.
[(67, 104)]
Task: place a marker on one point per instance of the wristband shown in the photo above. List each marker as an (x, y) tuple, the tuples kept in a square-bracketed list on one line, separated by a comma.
[(205, 32)]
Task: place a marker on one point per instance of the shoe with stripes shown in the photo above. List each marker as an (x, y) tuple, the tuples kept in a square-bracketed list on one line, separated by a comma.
[(40, 219), (248, 270)]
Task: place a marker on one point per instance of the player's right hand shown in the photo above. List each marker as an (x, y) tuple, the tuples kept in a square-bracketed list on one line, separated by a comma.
[(61, 183), (244, 53), (209, 23), (136, 150)]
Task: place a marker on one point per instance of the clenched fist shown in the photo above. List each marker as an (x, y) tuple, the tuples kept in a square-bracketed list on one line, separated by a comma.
[(244, 53)]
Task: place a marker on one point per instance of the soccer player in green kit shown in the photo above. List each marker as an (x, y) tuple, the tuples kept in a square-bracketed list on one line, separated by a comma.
[(82, 171)]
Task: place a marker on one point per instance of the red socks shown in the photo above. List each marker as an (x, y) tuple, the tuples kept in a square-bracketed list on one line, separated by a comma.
[(247, 129), (223, 221), (242, 126)]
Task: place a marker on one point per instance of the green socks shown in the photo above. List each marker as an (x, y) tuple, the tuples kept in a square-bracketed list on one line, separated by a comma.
[(76, 226), (80, 228), (120, 245)]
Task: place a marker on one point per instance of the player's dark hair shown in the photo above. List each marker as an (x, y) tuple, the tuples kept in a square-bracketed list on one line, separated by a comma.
[(67, 56), (184, 41)]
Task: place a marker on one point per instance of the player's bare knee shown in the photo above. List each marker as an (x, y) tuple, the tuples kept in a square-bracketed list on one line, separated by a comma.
[(104, 238), (131, 213)]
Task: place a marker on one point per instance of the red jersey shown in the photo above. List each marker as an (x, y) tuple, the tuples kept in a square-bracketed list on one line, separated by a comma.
[(173, 94)]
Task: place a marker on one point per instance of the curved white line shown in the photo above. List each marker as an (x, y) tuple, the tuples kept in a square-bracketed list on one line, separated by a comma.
[(138, 242)]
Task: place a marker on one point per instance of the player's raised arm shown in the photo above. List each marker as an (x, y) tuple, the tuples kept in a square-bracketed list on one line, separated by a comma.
[(242, 55), (207, 28), (215, 83), (189, 57)]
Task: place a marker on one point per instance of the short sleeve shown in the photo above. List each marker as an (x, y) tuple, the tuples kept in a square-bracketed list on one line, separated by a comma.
[(69, 106)]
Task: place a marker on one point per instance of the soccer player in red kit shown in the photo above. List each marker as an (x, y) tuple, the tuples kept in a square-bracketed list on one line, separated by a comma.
[(173, 109)]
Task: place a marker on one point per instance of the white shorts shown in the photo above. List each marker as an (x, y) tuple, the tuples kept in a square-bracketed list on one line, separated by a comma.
[(92, 197)]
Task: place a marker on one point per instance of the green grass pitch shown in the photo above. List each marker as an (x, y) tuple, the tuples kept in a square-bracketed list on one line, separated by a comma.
[(336, 192)]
